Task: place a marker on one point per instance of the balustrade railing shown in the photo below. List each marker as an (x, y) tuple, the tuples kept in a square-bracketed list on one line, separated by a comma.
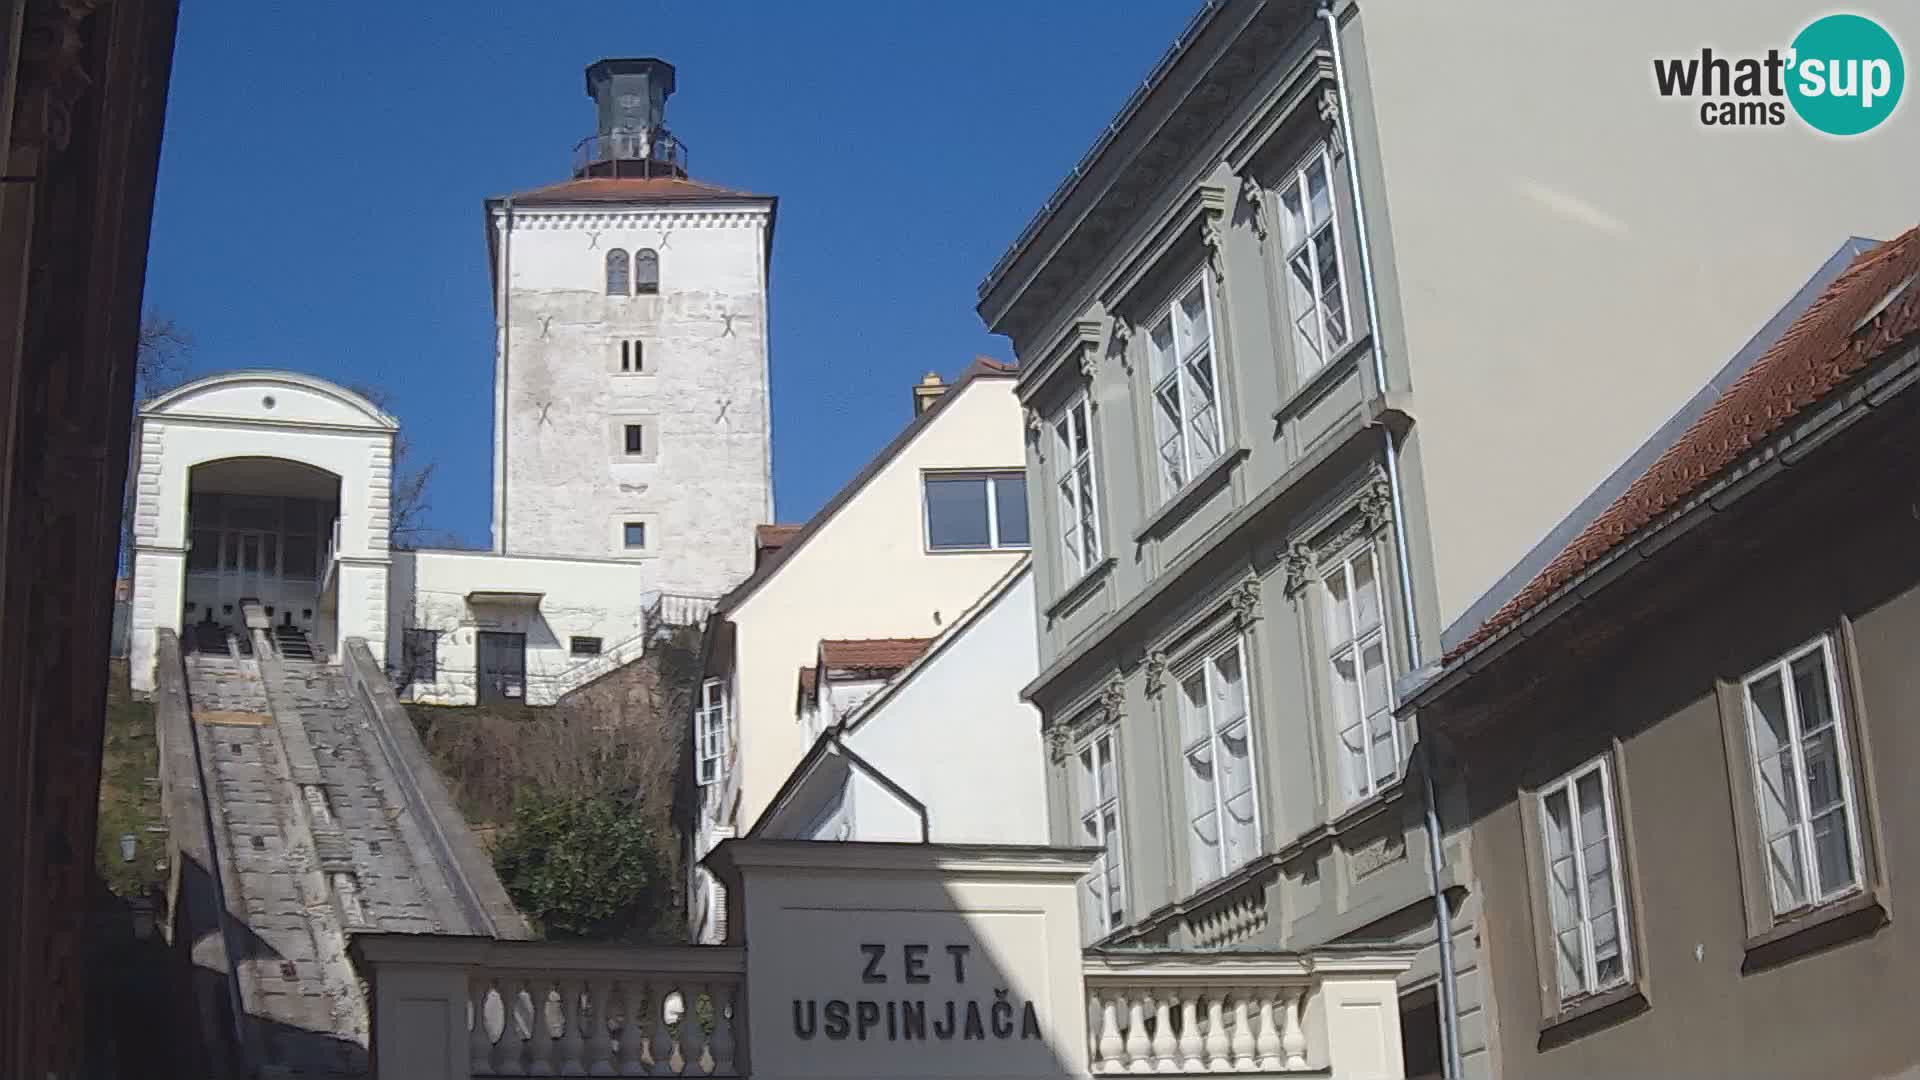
[(1196, 1013), (563, 1009)]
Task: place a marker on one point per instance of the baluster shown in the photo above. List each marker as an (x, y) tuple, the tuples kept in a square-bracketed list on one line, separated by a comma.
[(1139, 1050), (479, 1046), (1293, 1040), (510, 1057), (1110, 1044), (1242, 1033), (540, 1042), (1164, 1047), (572, 1045), (722, 1041), (632, 1034), (599, 1036), (692, 1039), (1217, 1060), (1266, 1041), (662, 1039), (1190, 1032)]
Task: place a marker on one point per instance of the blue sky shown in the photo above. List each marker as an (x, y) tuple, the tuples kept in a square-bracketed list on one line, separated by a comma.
[(324, 166)]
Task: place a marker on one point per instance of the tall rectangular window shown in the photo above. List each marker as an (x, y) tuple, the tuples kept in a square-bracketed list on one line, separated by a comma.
[(1356, 639), (1803, 779), (633, 356), (1586, 897), (976, 511), (1216, 735), (711, 736), (1079, 509), (1097, 793), (1185, 388), (636, 438), (1316, 288)]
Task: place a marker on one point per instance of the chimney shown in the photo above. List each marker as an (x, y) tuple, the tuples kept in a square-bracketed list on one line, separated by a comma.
[(630, 111), (926, 392)]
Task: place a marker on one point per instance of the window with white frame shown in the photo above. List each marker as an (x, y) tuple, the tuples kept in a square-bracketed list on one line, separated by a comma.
[(1186, 393), (1316, 288), (1356, 637), (1586, 891), (1103, 900), (1803, 779), (1216, 733), (1079, 509), (976, 511), (712, 733)]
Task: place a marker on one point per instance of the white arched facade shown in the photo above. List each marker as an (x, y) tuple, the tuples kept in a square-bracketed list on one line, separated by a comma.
[(237, 426)]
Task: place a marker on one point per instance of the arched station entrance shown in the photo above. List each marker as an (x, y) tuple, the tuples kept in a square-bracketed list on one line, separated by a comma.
[(258, 528)]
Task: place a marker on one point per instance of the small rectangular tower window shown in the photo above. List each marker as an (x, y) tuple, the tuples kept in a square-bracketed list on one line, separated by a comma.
[(633, 535), (636, 439), (583, 646), (632, 356)]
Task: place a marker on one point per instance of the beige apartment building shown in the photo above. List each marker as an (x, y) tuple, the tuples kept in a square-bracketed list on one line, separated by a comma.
[(1346, 323)]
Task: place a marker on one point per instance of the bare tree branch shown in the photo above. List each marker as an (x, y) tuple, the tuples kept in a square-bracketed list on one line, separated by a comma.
[(407, 513)]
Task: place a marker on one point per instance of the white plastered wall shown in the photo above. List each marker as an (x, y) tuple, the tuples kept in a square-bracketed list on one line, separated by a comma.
[(1576, 255), (864, 573), (956, 736), (579, 597), (264, 414), (562, 486)]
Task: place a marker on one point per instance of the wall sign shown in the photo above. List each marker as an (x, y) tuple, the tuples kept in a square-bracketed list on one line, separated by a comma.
[(928, 998)]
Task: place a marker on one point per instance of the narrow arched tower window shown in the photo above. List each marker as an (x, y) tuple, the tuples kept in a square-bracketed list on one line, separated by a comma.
[(617, 273), (646, 272)]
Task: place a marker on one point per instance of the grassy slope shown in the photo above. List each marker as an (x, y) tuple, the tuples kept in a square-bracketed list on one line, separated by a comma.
[(128, 803)]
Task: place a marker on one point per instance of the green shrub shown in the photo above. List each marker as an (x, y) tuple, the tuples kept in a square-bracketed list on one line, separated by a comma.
[(583, 866)]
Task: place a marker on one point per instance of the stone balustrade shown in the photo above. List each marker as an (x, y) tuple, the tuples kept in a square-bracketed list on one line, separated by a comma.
[(527, 1008), (1152, 1011)]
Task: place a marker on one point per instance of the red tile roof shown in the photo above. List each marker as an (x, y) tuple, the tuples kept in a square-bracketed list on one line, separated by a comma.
[(768, 538), (1816, 355), (809, 677), (875, 655), (595, 189)]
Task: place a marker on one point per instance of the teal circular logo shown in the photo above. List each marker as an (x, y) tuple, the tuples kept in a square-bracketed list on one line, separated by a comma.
[(1846, 74)]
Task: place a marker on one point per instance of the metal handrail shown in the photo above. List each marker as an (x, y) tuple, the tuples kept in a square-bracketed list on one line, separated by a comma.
[(643, 153)]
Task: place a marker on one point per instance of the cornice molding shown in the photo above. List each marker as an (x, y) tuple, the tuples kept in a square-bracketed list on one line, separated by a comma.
[(1110, 707), (544, 219), (1016, 302)]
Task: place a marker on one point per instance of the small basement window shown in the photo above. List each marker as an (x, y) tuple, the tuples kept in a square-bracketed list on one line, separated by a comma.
[(636, 439), (583, 646), (633, 535)]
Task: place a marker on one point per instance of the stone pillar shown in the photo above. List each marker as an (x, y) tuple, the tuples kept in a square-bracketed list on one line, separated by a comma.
[(909, 959), (418, 1012), (1361, 1017), (159, 584)]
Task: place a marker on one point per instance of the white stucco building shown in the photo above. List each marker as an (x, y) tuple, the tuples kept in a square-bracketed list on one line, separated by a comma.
[(630, 449), (902, 552), (943, 751)]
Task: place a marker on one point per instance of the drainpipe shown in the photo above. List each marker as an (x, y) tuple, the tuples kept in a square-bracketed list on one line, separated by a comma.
[(1442, 923), (506, 348)]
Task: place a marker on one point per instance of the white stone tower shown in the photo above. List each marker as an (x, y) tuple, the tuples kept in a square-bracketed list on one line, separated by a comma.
[(630, 379)]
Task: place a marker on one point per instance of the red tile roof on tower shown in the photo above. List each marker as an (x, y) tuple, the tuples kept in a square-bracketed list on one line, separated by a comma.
[(874, 655), (595, 189), (1819, 352)]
